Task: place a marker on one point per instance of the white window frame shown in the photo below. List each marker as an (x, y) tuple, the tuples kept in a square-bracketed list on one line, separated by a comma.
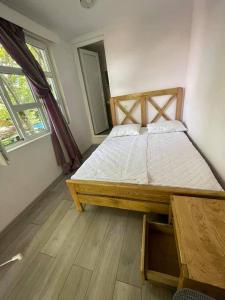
[(40, 44), (13, 109)]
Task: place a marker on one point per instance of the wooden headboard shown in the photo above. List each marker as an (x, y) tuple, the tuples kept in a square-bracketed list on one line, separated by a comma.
[(147, 107)]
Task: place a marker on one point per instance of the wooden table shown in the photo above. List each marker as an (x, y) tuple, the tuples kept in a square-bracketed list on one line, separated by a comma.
[(199, 226)]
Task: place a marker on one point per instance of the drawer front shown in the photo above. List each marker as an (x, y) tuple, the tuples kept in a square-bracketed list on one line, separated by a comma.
[(159, 260)]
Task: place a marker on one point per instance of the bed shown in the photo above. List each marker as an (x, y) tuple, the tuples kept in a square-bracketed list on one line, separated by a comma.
[(142, 172)]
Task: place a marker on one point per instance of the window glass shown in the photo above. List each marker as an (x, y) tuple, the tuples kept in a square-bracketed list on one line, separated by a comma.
[(6, 60), (40, 56), (8, 131), (32, 121), (17, 88), (52, 86)]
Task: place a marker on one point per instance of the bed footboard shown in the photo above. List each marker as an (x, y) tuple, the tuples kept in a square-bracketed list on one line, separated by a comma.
[(137, 197)]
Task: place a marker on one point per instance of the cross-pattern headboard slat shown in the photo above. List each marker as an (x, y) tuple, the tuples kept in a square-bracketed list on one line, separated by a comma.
[(137, 108)]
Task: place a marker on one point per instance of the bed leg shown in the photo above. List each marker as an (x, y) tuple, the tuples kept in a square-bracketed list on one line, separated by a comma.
[(79, 206)]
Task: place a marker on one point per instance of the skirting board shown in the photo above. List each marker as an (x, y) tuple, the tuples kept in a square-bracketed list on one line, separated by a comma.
[(38, 198)]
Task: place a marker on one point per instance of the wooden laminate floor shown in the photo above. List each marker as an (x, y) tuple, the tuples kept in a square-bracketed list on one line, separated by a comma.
[(93, 255)]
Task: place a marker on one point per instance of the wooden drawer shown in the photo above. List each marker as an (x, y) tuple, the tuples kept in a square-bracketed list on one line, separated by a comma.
[(159, 259)]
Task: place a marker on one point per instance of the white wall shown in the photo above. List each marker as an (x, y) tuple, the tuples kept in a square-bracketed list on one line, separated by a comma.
[(32, 169), (205, 96), (22, 21), (150, 52), (63, 57)]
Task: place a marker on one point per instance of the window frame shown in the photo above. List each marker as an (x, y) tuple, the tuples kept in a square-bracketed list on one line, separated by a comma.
[(49, 74), (14, 109)]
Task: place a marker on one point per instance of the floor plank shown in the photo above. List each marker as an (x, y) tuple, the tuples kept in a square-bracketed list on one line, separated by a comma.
[(41, 210), (16, 270), (57, 274), (154, 292), (104, 275), (17, 240), (62, 190), (31, 282), (76, 284), (16, 243), (124, 291), (60, 186), (129, 264), (90, 248), (60, 234)]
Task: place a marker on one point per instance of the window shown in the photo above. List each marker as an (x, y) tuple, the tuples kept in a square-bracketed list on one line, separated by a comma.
[(41, 53), (22, 114)]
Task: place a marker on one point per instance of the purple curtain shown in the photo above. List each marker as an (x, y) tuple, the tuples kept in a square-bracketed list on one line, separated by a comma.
[(13, 40)]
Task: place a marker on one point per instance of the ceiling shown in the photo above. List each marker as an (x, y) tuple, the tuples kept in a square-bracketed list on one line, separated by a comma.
[(69, 19)]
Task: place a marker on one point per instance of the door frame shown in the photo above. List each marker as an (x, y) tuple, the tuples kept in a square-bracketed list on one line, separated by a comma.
[(82, 41), (84, 53)]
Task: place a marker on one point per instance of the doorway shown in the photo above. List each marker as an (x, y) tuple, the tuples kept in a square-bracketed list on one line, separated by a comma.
[(95, 77)]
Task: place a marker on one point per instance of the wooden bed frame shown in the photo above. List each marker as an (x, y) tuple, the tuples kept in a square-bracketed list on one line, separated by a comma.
[(137, 197)]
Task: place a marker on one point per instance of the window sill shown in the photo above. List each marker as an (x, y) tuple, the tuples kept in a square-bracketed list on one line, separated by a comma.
[(22, 143)]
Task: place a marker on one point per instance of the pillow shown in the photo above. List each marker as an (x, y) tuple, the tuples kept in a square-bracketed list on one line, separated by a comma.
[(166, 126), (123, 130)]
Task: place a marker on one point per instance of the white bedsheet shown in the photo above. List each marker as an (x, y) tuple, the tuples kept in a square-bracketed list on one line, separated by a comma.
[(172, 160), (120, 159), (167, 159)]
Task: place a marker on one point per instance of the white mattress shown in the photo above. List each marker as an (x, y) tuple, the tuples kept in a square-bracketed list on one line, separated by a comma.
[(118, 159), (172, 160), (167, 159)]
